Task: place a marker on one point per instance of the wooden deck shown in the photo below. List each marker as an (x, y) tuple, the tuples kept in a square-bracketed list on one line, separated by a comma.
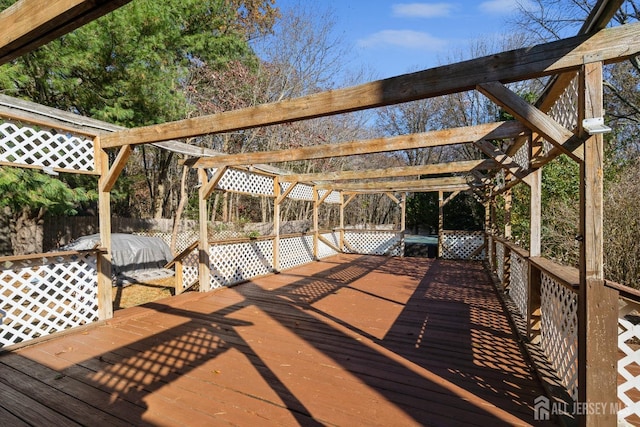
[(351, 340)]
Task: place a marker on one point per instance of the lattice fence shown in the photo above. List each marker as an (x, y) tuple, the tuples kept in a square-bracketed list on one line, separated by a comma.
[(334, 197), (565, 109), (190, 269), (325, 250), (500, 260), (518, 284), (559, 331), (247, 182), (374, 242), (236, 262), (521, 157), (183, 238), (27, 146), (47, 295), (299, 192), (629, 362), (295, 251), (462, 245)]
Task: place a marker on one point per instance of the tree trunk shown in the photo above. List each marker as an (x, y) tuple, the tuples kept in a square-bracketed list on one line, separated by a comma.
[(178, 217), (26, 236)]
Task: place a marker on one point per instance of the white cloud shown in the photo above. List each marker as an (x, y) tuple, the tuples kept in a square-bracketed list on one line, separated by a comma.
[(403, 38), (421, 10), (502, 7)]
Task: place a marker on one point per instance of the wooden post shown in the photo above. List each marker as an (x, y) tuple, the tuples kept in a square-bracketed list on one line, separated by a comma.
[(535, 250), (179, 277), (203, 244), (276, 224), (597, 305), (315, 222), (507, 214), (105, 284), (487, 231), (403, 221), (341, 242), (535, 209), (440, 222)]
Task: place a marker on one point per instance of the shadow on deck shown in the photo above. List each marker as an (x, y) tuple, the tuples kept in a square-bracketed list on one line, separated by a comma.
[(351, 340)]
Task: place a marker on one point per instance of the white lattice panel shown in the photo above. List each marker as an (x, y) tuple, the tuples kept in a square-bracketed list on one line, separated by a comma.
[(565, 110), (299, 192), (500, 260), (237, 262), (246, 182), (47, 295), (518, 283), (374, 243), (325, 250), (295, 251), (27, 146), (334, 197), (629, 345), (521, 157), (462, 244), (183, 238), (190, 269), (559, 331)]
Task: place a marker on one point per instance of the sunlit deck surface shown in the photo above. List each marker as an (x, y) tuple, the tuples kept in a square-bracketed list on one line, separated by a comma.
[(350, 340)]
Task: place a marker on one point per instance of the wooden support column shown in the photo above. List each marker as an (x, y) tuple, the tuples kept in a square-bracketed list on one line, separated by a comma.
[(507, 214), (403, 220), (488, 238), (440, 222), (204, 270), (535, 248), (316, 205), (105, 285), (597, 305), (342, 206), (276, 224)]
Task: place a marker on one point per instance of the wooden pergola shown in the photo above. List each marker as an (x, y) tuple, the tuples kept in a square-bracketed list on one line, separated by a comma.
[(537, 130)]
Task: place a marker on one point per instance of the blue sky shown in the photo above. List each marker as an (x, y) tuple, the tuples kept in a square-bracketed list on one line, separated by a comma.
[(396, 37)]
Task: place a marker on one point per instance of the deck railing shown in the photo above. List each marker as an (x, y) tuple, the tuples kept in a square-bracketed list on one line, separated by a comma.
[(460, 244), (545, 295), (237, 260), (46, 293)]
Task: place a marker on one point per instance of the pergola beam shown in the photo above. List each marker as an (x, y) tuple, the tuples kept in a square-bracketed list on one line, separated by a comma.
[(386, 186), (600, 16), (610, 44), (432, 169), (535, 119), (499, 130), (504, 161), (29, 24)]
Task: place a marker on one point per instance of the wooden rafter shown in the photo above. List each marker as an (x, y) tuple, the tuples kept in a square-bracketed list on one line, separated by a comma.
[(414, 185), (504, 161), (610, 44), (500, 130), (29, 24), (432, 169), (538, 121), (600, 16)]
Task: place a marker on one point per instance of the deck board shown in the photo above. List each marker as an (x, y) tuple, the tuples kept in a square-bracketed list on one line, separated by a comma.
[(350, 340)]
